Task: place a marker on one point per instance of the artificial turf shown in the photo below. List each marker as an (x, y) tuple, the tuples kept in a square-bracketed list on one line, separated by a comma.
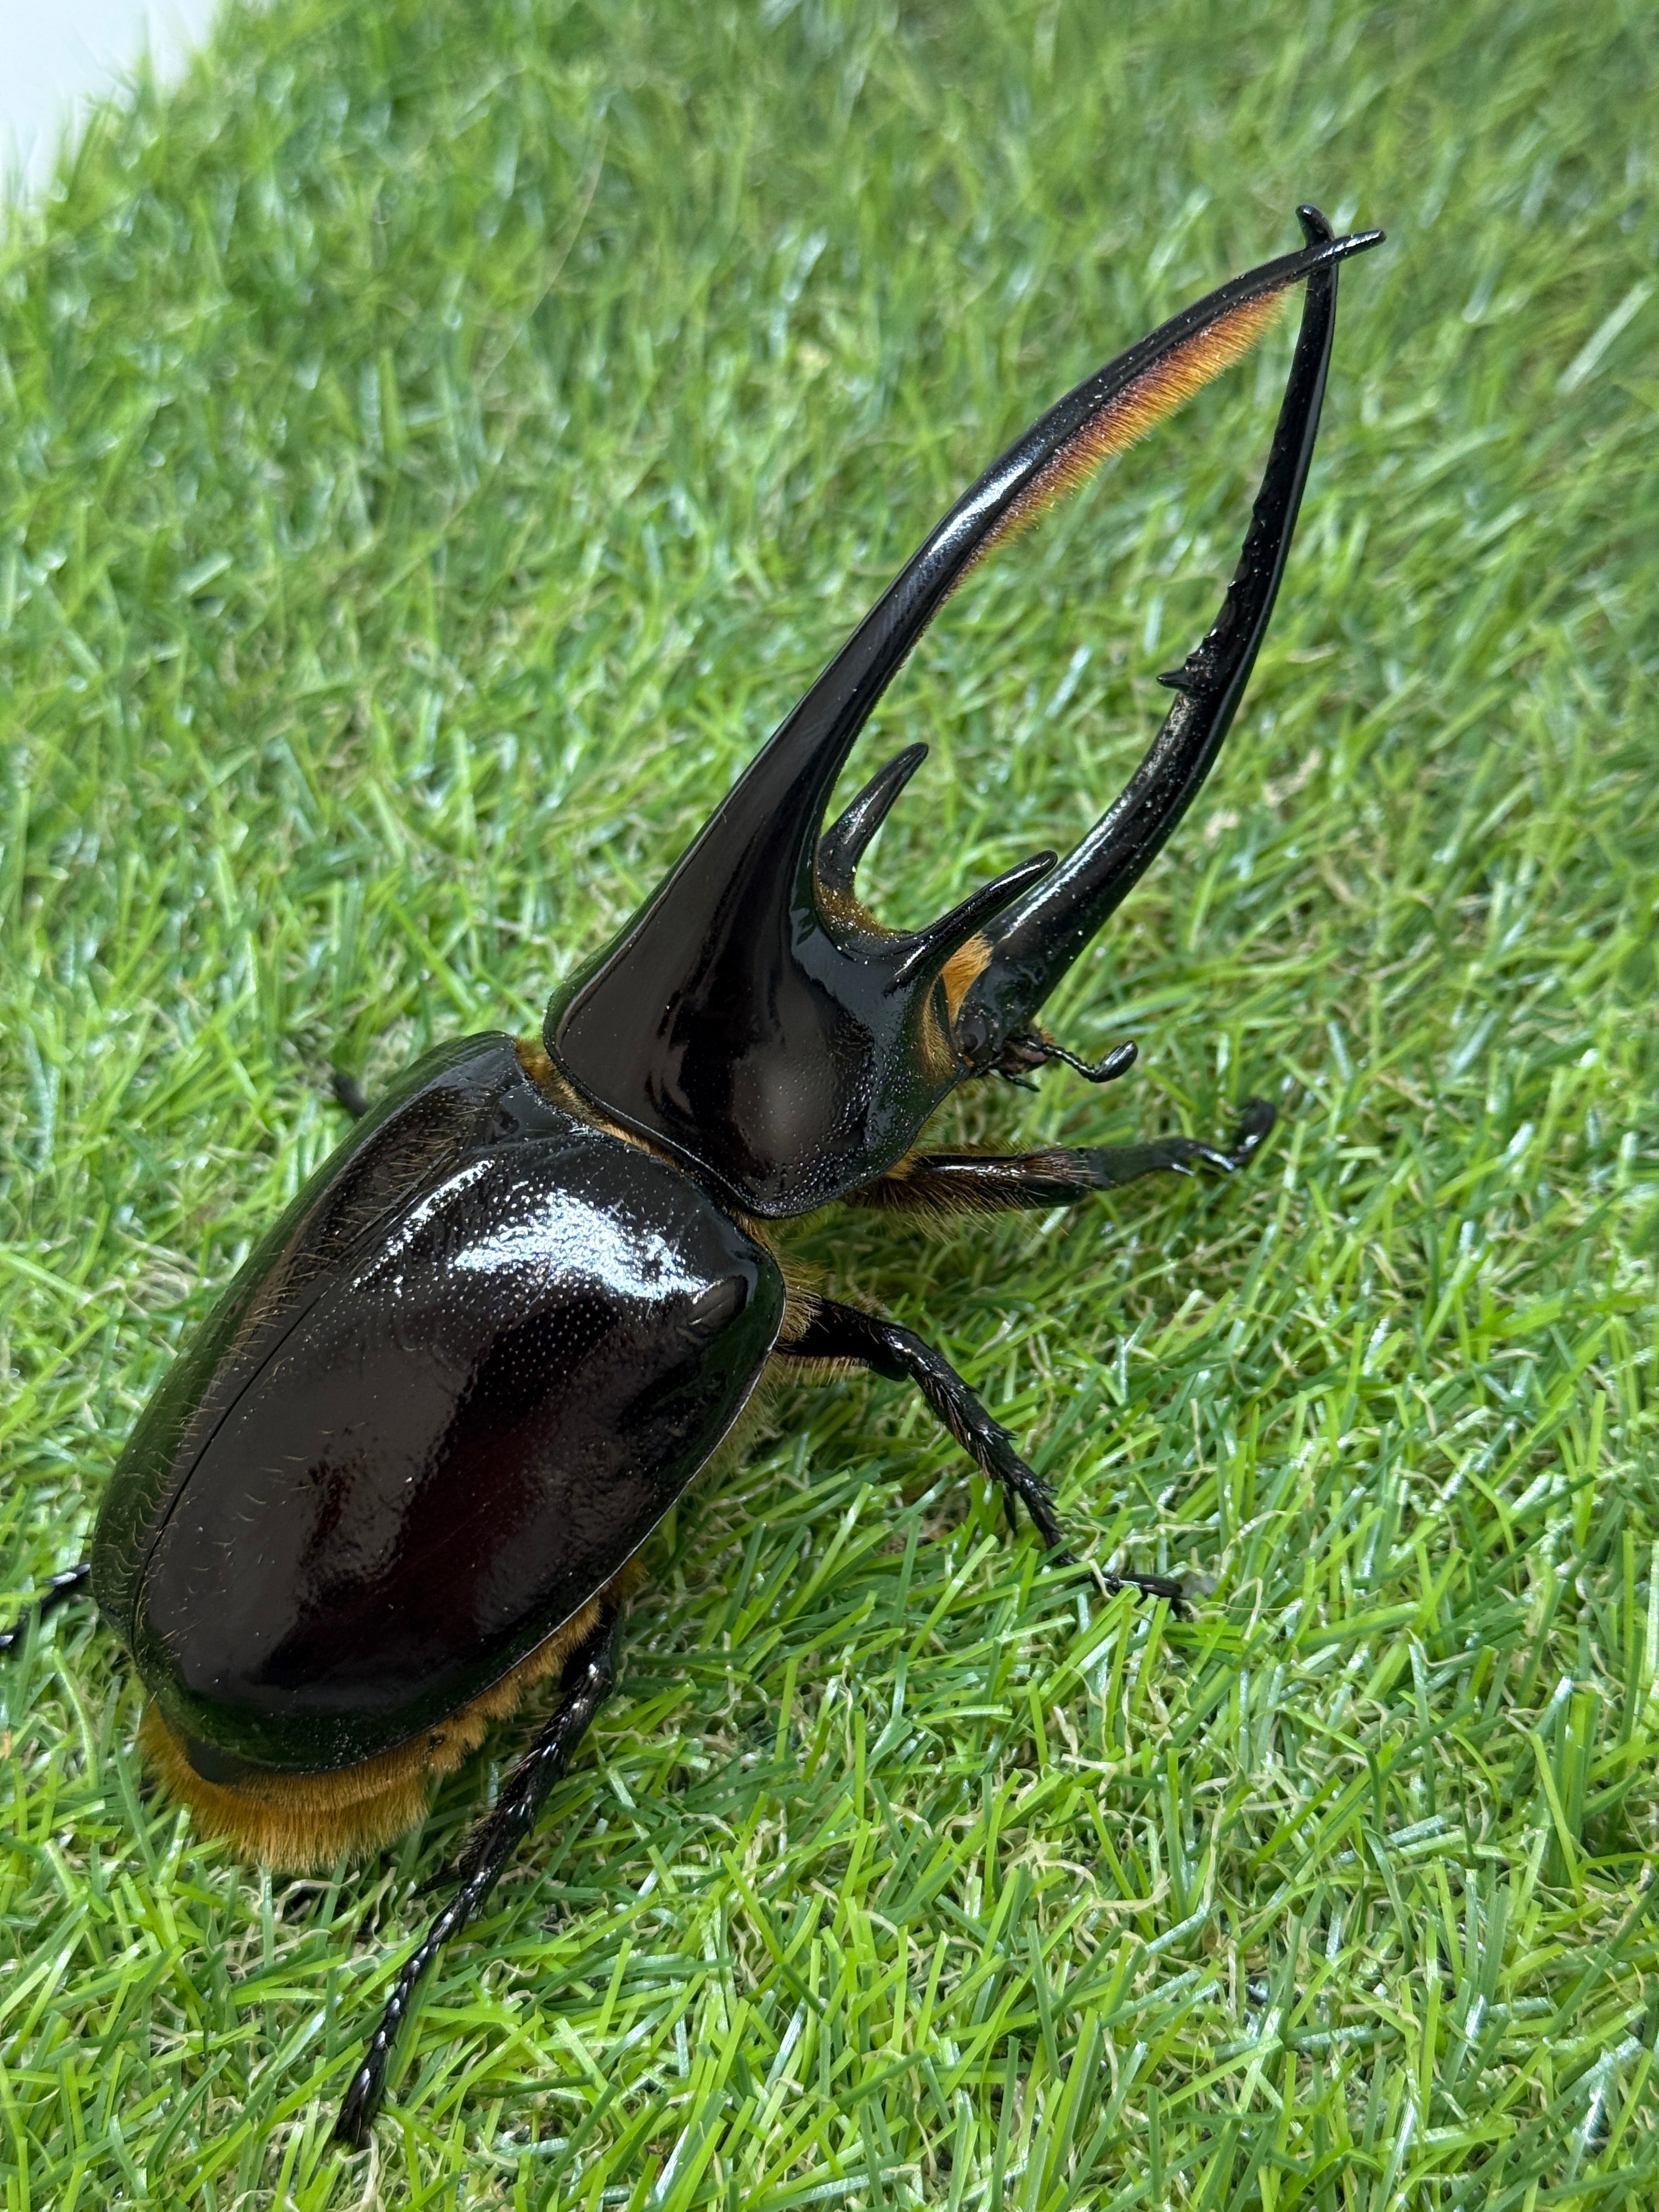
[(436, 443)]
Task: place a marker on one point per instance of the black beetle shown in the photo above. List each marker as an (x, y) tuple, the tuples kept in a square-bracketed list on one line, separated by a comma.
[(403, 1470)]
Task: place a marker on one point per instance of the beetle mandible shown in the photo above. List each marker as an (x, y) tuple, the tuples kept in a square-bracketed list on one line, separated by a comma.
[(401, 1473)]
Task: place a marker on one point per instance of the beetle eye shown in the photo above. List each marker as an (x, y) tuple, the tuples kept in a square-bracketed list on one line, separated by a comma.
[(717, 1307)]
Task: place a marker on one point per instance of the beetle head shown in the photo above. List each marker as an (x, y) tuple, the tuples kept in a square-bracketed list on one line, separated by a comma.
[(753, 1017)]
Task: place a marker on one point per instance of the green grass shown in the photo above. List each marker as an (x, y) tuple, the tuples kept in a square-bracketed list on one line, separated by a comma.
[(438, 442)]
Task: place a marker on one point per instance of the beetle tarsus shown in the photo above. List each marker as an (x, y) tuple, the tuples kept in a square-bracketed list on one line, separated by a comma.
[(348, 1093), (590, 1675), (1256, 1117), (1152, 1586), (58, 1587)]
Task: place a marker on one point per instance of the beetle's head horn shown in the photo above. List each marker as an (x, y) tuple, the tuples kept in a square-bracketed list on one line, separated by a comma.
[(752, 1018)]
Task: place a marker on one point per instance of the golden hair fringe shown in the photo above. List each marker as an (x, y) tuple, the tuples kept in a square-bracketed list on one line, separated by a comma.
[(1129, 415), (301, 1823)]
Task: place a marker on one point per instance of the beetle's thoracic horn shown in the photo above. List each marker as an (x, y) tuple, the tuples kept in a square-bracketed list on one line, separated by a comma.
[(751, 1017), (926, 953)]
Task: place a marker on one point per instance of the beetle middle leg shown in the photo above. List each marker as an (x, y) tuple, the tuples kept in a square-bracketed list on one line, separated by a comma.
[(841, 1333), (590, 1675), (986, 1182)]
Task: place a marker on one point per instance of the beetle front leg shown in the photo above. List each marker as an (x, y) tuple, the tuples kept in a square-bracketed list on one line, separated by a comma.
[(990, 1182), (590, 1675), (837, 1332)]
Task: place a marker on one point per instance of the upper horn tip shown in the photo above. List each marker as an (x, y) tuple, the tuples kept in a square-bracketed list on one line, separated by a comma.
[(1322, 248), (1356, 241)]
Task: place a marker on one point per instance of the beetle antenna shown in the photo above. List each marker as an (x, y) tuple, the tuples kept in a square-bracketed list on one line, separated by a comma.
[(590, 1675), (1028, 1049), (68, 1584), (843, 844)]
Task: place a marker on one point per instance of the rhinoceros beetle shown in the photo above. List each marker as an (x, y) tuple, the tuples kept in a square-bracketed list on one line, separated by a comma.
[(403, 1470)]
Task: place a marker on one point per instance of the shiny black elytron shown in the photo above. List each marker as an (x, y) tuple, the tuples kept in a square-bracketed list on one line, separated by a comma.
[(401, 1471)]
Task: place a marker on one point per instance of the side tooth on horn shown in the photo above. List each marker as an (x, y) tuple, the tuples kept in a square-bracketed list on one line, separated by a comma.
[(932, 946), (843, 844)]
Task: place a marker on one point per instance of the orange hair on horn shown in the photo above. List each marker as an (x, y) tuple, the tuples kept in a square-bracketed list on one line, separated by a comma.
[(1130, 414)]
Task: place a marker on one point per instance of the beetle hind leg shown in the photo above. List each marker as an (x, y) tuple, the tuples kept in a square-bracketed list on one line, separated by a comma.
[(590, 1676), (840, 1333)]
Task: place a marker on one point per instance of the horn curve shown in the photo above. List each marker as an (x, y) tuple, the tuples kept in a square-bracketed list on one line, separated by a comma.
[(1035, 941), (930, 948), (750, 1019)]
